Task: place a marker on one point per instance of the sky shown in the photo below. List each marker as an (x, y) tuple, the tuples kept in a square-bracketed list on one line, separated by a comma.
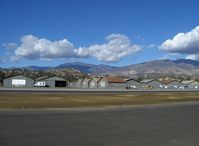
[(112, 32)]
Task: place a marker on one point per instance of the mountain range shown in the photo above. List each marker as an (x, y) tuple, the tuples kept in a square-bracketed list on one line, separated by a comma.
[(181, 67)]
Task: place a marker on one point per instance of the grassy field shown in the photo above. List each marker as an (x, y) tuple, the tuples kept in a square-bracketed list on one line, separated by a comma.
[(15, 101)]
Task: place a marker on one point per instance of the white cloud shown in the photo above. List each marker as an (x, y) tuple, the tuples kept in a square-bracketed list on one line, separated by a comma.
[(185, 43), (35, 48), (117, 47), (10, 46), (193, 56), (81, 52)]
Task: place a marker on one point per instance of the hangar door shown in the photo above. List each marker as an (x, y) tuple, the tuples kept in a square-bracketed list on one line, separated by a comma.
[(60, 84)]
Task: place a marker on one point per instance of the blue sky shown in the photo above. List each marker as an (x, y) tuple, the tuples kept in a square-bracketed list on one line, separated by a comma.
[(114, 32)]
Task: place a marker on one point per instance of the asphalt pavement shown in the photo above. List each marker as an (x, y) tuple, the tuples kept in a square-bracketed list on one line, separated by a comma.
[(150, 125), (86, 90)]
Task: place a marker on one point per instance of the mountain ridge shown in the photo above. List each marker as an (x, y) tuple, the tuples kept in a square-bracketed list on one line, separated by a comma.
[(156, 67)]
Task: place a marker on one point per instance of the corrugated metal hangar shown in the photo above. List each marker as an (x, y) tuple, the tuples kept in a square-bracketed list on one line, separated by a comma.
[(18, 81), (55, 81)]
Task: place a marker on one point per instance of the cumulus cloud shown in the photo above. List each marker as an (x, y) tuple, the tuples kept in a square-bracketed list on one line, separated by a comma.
[(81, 52), (117, 47), (185, 43), (35, 48)]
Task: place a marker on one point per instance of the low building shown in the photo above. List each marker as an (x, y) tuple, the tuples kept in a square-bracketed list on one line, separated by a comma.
[(112, 82), (174, 85), (18, 81), (145, 81), (79, 83), (86, 82), (152, 83), (55, 81), (72, 84), (103, 83), (94, 82), (190, 84), (133, 84)]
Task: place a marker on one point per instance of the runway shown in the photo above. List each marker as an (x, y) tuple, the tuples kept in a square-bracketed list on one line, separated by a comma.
[(161, 125), (87, 90)]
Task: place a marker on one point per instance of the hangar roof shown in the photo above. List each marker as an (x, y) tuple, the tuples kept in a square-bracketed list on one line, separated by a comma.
[(111, 79)]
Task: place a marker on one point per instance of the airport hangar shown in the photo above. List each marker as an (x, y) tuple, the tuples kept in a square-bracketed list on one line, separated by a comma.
[(55, 81), (25, 82), (18, 81)]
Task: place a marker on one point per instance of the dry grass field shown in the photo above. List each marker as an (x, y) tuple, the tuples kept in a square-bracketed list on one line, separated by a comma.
[(44, 100)]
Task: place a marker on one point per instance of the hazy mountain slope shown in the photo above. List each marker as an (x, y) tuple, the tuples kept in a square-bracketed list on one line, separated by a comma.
[(158, 67), (87, 68), (164, 67), (36, 68)]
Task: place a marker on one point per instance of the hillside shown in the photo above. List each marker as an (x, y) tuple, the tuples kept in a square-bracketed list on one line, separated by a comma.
[(66, 73), (182, 68), (157, 68), (161, 68), (87, 68)]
